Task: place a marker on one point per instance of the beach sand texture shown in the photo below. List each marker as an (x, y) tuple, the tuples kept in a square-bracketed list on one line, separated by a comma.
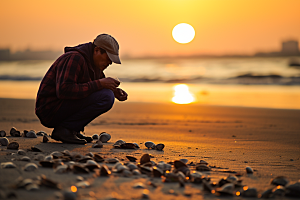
[(228, 138)]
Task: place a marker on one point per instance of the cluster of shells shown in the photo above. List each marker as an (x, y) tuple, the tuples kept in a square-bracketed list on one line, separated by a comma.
[(4, 141), (177, 171)]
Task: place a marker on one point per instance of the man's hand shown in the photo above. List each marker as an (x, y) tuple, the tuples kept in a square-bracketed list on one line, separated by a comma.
[(110, 83), (120, 94)]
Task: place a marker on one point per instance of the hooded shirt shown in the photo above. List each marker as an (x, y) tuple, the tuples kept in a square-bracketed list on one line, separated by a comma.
[(72, 76)]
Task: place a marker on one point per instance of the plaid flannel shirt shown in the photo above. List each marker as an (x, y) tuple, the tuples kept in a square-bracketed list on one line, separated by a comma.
[(71, 76)]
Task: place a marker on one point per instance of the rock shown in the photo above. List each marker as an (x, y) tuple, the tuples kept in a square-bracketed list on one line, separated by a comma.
[(13, 145), (2, 133), (4, 141), (14, 132), (104, 137)]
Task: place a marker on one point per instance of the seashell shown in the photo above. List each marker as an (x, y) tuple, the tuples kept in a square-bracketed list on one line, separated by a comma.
[(127, 146), (249, 192), (278, 192), (131, 158), (232, 179), (104, 171), (280, 180), (203, 162), (202, 167), (49, 183), (266, 194), (91, 167), (35, 149), (179, 164), (39, 157), (46, 163), (2, 133), (104, 137), (98, 158), (207, 186), (139, 185), (171, 177), (161, 165), (21, 152), (69, 195), (83, 184), (184, 170), (293, 190), (66, 152), (226, 190), (145, 158), (136, 145), (156, 172), (98, 144), (132, 166), (48, 158), (196, 177), (4, 141), (184, 160), (31, 134), (30, 167), (159, 147), (95, 137), (91, 162), (79, 178), (119, 142), (32, 187), (112, 160), (90, 154), (136, 172), (79, 169), (14, 132), (13, 145), (150, 145), (121, 168), (22, 183), (45, 139), (167, 167), (24, 133), (146, 170), (61, 169), (249, 170), (25, 158), (56, 154), (126, 173), (41, 133), (8, 165)]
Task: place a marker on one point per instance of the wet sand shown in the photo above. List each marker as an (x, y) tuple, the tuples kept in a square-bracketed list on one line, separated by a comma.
[(228, 138)]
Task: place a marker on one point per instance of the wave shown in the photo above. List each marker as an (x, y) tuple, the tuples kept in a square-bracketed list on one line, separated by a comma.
[(244, 79)]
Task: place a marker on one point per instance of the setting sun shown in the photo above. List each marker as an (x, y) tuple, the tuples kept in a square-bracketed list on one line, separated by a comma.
[(183, 33), (182, 94)]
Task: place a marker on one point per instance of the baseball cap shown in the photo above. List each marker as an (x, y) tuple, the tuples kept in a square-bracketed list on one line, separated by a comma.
[(110, 45)]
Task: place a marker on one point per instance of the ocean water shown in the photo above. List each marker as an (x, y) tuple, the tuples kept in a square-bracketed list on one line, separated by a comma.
[(254, 82)]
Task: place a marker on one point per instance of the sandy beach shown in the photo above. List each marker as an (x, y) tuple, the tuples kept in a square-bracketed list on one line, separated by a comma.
[(228, 138)]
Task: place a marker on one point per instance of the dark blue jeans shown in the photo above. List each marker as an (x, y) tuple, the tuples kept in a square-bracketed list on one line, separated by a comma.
[(76, 114)]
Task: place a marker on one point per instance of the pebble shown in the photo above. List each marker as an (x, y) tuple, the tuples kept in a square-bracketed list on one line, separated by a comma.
[(150, 145), (14, 132), (159, 147), (249, 170)]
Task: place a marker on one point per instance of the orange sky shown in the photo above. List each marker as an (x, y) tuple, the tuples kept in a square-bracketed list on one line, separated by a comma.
[(144, 27)]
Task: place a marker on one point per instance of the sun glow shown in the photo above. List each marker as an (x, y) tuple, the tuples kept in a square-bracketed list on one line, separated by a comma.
[(183, 33), (182, 94)]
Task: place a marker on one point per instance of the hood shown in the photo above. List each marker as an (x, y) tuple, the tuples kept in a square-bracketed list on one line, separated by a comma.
[(86, 50)]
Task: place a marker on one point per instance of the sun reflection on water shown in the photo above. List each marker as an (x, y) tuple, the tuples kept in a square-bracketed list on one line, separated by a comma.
[(182, 94)]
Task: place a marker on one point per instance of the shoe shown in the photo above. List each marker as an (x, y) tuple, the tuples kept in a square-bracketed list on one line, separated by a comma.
[(81, 136), (66, 136)]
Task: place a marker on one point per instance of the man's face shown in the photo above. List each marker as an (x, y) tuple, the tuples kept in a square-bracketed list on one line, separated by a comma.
[(101, 61)]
